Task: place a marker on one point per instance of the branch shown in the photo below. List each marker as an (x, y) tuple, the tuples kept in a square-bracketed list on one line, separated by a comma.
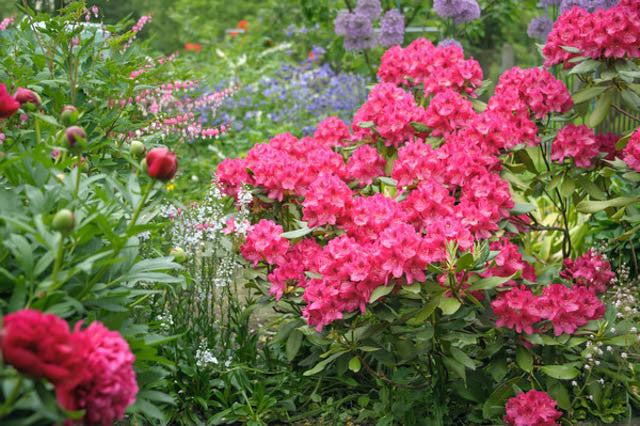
[(623, 112), (384, 378)]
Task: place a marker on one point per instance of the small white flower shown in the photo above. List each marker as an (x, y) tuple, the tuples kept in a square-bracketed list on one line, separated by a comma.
[(609, 349), (633, 330), (623, 355), (587, 367), (574, 383)]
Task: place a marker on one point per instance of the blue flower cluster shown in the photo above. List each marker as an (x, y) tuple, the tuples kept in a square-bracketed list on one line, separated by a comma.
[(296, 98)]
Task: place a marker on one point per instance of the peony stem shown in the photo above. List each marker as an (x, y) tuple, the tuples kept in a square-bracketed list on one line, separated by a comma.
[(143, 200), (8, 404), (56, 266)]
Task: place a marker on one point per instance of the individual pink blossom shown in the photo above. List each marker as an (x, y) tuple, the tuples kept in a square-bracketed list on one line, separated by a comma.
[(369, 216), (448, 112), (577, 142), (231, 174), (430, 202), (591, 270), (109, 385), (631, 153), (265, 243), (290, 271), (531, 408), (514, 310), (365, 164), (607, 143)]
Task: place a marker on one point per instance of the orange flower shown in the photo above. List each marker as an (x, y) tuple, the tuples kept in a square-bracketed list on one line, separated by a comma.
[(193, 46), (243, 24)]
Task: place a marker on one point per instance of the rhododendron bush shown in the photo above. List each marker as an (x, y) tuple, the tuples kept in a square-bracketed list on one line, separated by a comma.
[(440, 242)]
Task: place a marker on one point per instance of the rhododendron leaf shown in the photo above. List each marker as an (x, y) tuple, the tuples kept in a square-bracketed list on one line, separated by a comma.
[(455, 367), (622, 340), (478, 105), (571, 49), (494, 405), (354, 364), (560, 372), (587, 206), (523, 156), (631, 99), (312, 275), (379, 292), (559, 393), (298, 233), (294, 342), (426, 311), (635, 87), (420, 127), (464, 261), (366, 124), (524, 359), (622, 142), (587, 93), (388, 181), (519, 209), (601, 109), (322, 364), (449, 305), (584, 67), (436, 269), (591, 188), (567, 187), (632, 176), (461, 356), (577, 59), (493, 282)]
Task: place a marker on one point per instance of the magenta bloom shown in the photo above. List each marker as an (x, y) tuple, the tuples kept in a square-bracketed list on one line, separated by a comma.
[(591, 270), (264, 243), (162, 163), (365, 164), (332, 132), (531, 408), (514, 310), (577, 142), (631, 153), (8, 105), (109, 385), (568, 308)]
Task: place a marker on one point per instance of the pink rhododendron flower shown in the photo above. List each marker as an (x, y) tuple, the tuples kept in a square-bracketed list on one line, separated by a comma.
[(391, 110), (109, 385), (290, 271), (577, 142), (631, 153), (531, 408), (591, 270), (607, 143), (369, 216), (508, 262), (514, 310), (327, 201), (365, 164), (430, 202), (231, 174), (448, 112), (265, 243), (332, 132)]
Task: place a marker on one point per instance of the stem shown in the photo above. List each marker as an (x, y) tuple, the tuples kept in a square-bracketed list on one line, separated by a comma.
[(37, 126), (7, 406), (384, 378), (371, 70), (623, 112), (77, 187), (56, 266)]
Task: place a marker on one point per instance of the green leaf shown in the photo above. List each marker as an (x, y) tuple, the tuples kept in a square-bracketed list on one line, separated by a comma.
[(591, 188), (561, 372), (455, 367), (492, 282), (460, 356), (425, 312), (379, 292), (298, 233), (571, 49), (354, 364), (585, 67), (623, 340), (567, 187), (449, 305), (388, 181), (293, 344), (587, 93), (601, 109), (420, 127), (587, 206), (495, 403), (631, 99), (632, 176), (322, 364), (366, 124), (519, 209), (524, 359), (464, 261), (559, 393)]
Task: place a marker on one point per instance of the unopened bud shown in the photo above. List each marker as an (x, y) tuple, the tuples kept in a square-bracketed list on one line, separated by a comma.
[(69, 115), (178, 254), (75, 138), (64, 221), (137, 149)]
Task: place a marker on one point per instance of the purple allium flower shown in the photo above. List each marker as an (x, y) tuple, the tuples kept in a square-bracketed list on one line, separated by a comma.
[(341, 24), (550, 2), (392, 28), (588, 5), (357, 31), (540, 28), (450, 42), (369, 8), (461, 11)]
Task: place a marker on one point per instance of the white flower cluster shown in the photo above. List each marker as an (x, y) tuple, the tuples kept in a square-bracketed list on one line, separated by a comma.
[(165, 320), (205, 357)]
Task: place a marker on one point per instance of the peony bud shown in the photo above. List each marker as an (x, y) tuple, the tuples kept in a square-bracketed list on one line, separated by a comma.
[(69, 115), (162, 164), (178, 254), (137, 149), (26, 96), (75, 138), (144, 166), (64, 221)]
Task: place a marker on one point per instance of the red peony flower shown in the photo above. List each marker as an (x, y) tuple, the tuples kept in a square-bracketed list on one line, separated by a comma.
[(109, 386), (41, 345), (531, 408), (162, 163), (8, 105), (27, 96)]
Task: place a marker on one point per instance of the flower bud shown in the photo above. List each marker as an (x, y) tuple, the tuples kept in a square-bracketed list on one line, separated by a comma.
[(178, 254), (144, 166), (64, 221), (137, 149), (26, 96), (162, 164), (74, 138), (69, 115)]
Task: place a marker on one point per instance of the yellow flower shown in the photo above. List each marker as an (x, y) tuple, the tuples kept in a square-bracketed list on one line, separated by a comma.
[(171, 186)]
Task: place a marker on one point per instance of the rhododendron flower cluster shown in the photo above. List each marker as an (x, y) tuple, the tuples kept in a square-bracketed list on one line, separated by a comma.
[(264, 243), (92, 369), (537, 88), (436, 68), (332, 132), (566, 308), (391, 110), (577, 142), (508, 262), (611, 33), (531, 408), (448, 112), (591, 270), (631, 153), (365, 164)]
